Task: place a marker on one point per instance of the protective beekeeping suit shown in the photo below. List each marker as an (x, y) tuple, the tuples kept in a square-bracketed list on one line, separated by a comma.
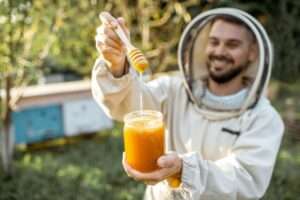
[(227, 144)]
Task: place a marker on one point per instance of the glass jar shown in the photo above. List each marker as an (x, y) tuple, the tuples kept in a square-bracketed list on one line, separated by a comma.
[(144, 139)]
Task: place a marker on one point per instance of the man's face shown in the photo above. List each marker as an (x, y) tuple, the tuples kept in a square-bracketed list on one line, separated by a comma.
[(229, 51)]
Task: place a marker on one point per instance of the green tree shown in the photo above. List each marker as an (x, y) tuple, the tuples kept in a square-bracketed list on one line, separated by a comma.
[(27, 38)]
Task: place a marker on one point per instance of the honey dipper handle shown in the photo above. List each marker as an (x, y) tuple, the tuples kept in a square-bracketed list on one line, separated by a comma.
[(118, 30), (123, 37)]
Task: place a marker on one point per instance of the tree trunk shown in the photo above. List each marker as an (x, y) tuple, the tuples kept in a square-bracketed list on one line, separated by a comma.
[(6, 137)]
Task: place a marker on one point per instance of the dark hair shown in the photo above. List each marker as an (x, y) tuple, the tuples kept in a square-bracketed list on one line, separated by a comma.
[(233, 20)]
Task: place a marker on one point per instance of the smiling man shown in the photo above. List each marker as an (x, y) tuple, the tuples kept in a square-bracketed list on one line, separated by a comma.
[(230, 50), (222, 134)]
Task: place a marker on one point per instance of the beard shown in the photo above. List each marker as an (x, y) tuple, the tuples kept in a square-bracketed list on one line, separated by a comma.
[(227, 76)]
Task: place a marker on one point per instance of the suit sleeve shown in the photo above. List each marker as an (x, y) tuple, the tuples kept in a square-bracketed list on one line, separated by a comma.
[(246, 173), (118, 96)]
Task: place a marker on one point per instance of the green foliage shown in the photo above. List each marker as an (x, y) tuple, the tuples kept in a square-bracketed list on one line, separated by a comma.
[(58, 36), (28, 33), (285, 182), (87, 170), (92, 170)]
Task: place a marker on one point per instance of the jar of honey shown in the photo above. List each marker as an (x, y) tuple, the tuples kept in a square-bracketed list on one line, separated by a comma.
[(144, 142), (143, 139)]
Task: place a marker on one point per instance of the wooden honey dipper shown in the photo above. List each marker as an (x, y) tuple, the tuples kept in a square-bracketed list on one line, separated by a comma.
[(134, 55)]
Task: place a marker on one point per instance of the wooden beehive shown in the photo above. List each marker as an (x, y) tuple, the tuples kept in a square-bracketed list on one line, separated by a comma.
[(55, 110)]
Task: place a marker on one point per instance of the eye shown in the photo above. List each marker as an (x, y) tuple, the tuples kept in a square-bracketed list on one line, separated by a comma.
[(233, 44), (213, 42)]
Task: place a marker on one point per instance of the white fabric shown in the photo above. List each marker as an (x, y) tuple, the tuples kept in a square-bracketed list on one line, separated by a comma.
[(216, 164), (229, 102), (255, 70)]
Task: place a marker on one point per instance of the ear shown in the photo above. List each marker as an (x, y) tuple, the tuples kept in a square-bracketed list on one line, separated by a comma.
[(253, 52)]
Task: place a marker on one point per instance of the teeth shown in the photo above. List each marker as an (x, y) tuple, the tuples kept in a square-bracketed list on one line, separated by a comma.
[(220, 62)]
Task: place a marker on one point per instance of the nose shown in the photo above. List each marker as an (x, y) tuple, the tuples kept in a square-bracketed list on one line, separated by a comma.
[(220, 50)]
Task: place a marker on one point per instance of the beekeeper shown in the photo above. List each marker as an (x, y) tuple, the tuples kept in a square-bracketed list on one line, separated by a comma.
[(221, 128)]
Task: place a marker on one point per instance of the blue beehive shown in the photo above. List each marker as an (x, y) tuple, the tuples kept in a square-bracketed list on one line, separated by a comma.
[(36, 124), (84, 116)]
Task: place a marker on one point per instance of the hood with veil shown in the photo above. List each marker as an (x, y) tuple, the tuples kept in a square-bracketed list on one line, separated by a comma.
[(192, 62)]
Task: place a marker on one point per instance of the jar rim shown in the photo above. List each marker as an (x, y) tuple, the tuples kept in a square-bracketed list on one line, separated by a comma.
[(142, 113)]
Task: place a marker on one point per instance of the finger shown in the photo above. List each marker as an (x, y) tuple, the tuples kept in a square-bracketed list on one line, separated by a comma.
[(124, 161), (128, 168), (122, 22), (123, 25), (155, 176), (107, 47), (133, 173), (107, 18), (125, 165), (105, 31), (109, 51), (109, 42), (166, 161)]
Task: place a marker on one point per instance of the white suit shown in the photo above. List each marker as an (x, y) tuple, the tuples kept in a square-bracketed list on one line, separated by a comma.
[(227, 154)]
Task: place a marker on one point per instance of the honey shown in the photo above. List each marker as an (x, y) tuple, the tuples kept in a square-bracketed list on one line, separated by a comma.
[(144, 142), (144, 139)]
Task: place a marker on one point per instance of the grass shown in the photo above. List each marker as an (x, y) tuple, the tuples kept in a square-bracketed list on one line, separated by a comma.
[(87, 170), (91, 169), (285, 184)]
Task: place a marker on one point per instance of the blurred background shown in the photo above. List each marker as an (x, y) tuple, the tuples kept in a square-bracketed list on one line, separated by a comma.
[(57, 144)]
